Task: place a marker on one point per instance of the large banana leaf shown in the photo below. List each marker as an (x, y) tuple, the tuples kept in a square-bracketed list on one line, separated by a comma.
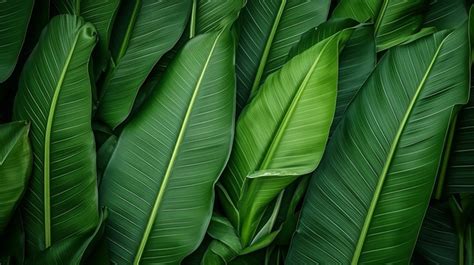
[(14, 17), (268, 30), (366, 201), (15, 167), (158, 184), (359, 10), (281, 135), (397, 19), (55, 96), (143, 32)]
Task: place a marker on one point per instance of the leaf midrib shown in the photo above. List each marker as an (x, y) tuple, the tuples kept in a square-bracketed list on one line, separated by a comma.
[(47, 146), (266, 51), (390, 156), (173, 158), (277, 139)]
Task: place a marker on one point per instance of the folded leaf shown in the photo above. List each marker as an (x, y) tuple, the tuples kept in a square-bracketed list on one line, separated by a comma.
[(367, 199), (15, 167), (281, 134), (268, 29), (143, 32), (14, 18), (55, 96), (158, 184)]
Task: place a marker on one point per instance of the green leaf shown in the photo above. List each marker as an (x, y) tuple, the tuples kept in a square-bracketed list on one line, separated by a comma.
[(143, 32), (461, 160), (361, 11), (101, 13), (397, 20), (74, 249), (15, 167), (268, 31), (14, 18), (357, 60), (208, 16), (368, 197), (159, 181), (438, 242), (282, 133), (445, 14), (55, 96)]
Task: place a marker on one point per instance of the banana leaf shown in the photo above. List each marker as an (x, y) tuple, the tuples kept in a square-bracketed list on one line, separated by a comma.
[(397, 20), (158, 185), (144, 30), (445, 14), (208, 16), (268, 30), (15, 167), (14, 18), (280, 136), (359, 10), (438, 242), (366, 201), (55, 97)]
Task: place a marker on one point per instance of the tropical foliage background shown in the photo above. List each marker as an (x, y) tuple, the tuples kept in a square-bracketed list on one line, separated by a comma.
[(236, 132)]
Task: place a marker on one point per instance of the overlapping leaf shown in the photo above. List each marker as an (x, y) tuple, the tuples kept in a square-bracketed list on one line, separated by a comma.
[(268, 30), (159, 182), (280, 135), (15, 167), (55, 96), (14, 18), (367, 200), (143, 32)]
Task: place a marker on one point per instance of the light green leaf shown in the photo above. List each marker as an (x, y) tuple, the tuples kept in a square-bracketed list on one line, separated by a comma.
[(143, 32), (268, 29), (282, 133), (55, 96), (159, 181), (15, 167), (367, 199), (14, 18)]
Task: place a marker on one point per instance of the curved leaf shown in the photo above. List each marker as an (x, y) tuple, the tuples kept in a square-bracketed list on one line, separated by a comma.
[(268, 31), (15, 167), (55, 96), (143, 32), (397, 20), (159, 182), (14, 18), (281, 134), (366, 201)]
